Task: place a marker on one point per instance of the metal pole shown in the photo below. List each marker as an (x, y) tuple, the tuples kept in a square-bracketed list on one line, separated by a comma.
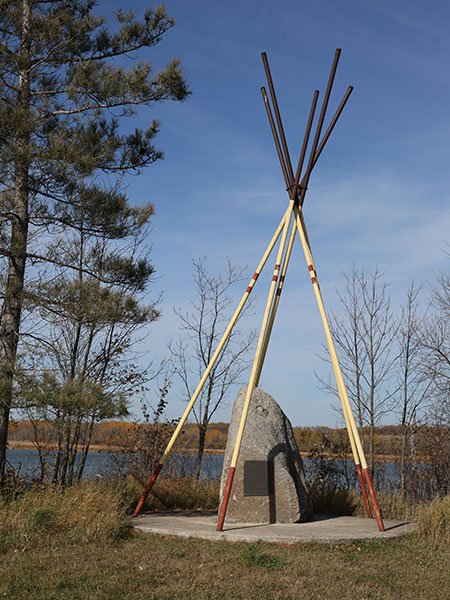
[(341, 393), (306, 137), (332, 124), (277, 115), (210, 366), (276, 138), (251, 384), (293, 189), (276, 301), (319, 125), (348, 414)]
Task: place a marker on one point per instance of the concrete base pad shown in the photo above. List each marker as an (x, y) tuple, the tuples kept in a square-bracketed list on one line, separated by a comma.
[(323, 528)]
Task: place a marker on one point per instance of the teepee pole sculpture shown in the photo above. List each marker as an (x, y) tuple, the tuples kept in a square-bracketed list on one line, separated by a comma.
[(303, 185), (297, 192)]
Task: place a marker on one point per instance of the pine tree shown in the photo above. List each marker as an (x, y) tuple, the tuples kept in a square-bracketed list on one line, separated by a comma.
[(77, 364), (61, 73)]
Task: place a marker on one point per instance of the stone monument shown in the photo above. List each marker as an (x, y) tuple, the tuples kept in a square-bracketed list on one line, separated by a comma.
[(269, 483)]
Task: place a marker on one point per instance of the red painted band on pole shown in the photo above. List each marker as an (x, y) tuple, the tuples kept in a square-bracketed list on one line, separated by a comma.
[(226, 497), (249, 289), (282, 279), (376, 508), (277, 267), (313, 280), (274, 278), (363, 490), (255, 276), (279, 291), (310, 268), (138, 508)]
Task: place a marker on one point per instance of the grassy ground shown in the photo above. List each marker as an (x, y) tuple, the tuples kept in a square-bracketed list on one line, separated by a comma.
[(76, 544), (156, 567)]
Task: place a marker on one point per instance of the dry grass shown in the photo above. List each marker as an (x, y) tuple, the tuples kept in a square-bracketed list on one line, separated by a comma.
[(180, 493), (76, 544), (144, 567), (433, 522), (83, 513)]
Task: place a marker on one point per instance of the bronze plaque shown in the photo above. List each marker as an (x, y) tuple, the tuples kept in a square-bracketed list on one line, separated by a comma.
[(258, 478)]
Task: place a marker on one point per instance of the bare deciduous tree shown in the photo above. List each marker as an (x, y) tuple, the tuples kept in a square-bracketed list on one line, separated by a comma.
[(364, 339), (413, 382), (204, 326), (436, 360)]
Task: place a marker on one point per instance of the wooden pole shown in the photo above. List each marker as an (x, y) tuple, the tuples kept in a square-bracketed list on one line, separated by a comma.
[(276, 301), (251, 384), (227, 332), (348, 414)]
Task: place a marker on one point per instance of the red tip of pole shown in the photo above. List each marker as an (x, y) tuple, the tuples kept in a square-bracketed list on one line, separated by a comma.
[(140, 504), (376, 508), (363, 490), (226, 497)]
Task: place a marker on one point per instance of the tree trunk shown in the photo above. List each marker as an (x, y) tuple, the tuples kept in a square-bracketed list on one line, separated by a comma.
[(201, 448), (402, 458), (66, 450), (57, 463), (87, 444), (58, 451), (74, 450), (12, 304)]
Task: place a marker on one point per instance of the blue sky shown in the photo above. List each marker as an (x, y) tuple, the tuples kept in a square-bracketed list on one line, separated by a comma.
[(379, 195)]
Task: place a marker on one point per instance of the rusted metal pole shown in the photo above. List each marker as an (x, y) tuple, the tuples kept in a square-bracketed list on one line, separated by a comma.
[(277, 115), (319, 125)]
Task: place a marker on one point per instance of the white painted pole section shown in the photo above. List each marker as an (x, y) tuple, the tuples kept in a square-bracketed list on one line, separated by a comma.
[(224, 337), (348, 414), (251, 383), (275, 304)]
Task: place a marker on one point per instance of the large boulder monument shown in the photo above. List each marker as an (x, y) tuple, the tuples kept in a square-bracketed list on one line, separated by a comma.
[(269, 483)]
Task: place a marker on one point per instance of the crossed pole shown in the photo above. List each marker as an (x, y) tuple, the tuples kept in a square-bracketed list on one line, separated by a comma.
[(296, 189)]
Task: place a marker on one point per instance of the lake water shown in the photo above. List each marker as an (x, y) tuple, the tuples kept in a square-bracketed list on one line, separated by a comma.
[(100, 464)]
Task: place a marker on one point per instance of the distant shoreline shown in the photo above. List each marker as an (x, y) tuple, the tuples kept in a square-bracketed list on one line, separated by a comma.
[(29, 445)]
